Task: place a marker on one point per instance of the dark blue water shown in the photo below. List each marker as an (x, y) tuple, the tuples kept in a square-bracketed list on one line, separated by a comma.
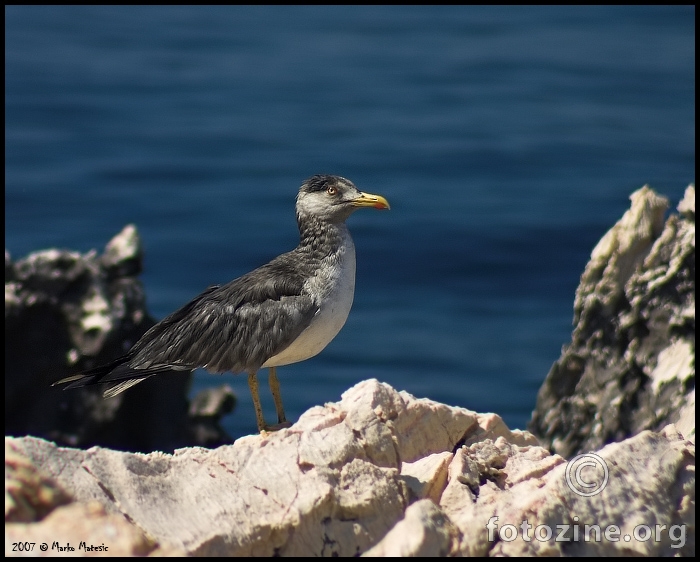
[(506, 139)]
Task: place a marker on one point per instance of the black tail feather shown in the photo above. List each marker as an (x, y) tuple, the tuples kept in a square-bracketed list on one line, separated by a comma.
[(92, 376), (118, 375)]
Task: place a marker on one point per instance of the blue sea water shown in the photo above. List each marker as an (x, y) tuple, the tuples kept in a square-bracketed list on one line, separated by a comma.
[(507, 140)]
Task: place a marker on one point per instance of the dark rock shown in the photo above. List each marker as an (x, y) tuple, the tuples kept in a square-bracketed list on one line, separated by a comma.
[(66, 312), (630, 365), (205, 412)]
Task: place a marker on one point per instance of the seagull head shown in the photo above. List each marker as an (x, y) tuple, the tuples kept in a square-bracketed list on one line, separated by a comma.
[(333, 199)]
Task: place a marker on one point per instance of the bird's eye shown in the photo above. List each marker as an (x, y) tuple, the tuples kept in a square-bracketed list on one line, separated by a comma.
[(332, 190)]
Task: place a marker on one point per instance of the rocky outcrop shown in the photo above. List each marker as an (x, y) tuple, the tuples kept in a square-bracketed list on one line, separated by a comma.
[(630, 365), (66, 312), (378, 473)]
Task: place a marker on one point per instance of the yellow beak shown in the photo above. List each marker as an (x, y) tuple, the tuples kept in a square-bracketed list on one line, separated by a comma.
[(370, 200)]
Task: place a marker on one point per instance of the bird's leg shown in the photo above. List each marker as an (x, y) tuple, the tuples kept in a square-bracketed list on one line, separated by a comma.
[(275, 389), (253, 385)]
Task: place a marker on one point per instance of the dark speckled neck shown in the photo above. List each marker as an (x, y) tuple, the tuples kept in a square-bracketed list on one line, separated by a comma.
[(321, 238)]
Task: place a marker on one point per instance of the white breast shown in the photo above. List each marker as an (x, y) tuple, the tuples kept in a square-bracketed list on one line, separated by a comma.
[(335, 285)]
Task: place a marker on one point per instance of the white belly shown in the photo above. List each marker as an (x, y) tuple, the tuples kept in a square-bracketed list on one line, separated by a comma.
[(337, 289)]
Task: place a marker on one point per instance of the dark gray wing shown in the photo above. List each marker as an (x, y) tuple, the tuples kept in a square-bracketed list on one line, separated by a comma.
[(236, 327)]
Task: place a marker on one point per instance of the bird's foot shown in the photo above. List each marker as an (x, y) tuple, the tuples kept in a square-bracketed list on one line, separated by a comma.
[(276, 427)]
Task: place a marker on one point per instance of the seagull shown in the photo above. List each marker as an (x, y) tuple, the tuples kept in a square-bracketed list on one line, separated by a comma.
[(283, 312)]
